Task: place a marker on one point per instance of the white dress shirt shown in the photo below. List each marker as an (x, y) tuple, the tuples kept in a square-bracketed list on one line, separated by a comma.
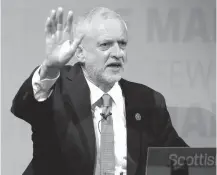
[(42, 91)]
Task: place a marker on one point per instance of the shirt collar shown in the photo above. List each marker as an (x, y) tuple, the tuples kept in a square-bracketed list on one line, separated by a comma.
[(96, 93), (116, 93)]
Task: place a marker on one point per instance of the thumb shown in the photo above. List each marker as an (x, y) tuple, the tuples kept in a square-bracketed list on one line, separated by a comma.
[(75, 44)]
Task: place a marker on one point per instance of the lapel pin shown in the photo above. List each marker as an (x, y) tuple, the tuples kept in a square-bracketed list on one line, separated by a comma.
[(138, 117)]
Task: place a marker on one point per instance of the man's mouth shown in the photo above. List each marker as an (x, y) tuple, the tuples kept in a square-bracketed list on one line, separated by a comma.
[(114, 65)]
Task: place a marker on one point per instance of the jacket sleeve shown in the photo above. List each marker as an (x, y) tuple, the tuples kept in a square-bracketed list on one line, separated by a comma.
[(167, 135), (26, 107)]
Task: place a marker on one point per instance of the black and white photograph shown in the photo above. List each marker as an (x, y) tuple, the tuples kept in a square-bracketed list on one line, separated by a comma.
[(104, 87)]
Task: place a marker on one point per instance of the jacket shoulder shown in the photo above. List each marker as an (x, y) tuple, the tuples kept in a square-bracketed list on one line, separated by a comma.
[(144, 91)]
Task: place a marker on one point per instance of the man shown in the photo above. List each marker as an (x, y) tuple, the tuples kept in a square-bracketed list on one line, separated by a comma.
[(85, 118)]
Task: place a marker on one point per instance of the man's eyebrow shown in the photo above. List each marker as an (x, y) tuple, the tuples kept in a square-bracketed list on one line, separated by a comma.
[(106, 40), (123, 40), (112, 40)]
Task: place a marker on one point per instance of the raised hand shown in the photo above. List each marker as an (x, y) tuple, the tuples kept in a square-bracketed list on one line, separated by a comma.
[(59, 48)]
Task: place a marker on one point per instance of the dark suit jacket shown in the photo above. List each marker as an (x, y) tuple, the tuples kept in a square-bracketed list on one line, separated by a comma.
[(63, 131)]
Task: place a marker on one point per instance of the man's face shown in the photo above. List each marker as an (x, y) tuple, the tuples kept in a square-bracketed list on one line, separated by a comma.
[(105, 50)]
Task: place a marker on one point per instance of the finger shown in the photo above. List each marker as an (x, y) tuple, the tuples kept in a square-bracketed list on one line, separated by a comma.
[(59, 18), (68, 26), (77, 41), (48, 27), (53, 20), (69, 21)]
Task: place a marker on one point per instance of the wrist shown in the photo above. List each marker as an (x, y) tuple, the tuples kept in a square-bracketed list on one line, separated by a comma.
[(47, 71)]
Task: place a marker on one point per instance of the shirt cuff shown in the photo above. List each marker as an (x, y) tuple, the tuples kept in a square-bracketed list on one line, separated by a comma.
[(42, 88)]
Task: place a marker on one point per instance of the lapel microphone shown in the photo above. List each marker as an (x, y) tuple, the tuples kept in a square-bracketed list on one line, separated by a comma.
[(105, 116)]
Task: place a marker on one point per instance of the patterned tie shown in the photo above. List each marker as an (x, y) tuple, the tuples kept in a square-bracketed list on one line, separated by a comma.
[(107, 155)]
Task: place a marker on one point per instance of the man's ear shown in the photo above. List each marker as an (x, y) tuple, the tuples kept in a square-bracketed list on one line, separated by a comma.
[(80, 54)]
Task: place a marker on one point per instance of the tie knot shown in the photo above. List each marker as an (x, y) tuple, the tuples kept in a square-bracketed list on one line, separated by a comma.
[(106, 100)]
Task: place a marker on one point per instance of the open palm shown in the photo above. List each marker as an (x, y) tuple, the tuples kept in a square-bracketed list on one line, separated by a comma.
[(59, 48)]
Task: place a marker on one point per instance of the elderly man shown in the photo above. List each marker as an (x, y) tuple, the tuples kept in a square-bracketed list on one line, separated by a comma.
[(86, 119)]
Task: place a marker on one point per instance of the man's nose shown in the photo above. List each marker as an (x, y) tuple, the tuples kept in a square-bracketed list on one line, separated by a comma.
[(117, 52)]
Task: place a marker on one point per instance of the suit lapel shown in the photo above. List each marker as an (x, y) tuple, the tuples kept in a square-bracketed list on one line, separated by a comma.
[(79, 99), (134, 105)]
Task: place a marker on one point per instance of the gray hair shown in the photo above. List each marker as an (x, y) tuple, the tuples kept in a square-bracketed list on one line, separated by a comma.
[(83, 24)]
